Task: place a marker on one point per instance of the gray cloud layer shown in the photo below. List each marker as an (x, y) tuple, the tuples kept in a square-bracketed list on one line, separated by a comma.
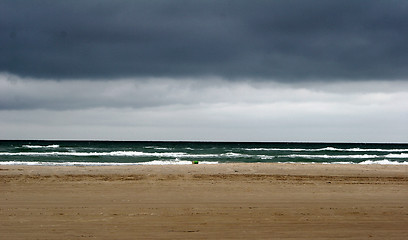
[(279, 40), (26, 94), (203, 109), (177, 110)]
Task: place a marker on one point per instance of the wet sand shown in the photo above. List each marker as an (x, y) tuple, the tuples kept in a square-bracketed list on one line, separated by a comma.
[(224, 201)]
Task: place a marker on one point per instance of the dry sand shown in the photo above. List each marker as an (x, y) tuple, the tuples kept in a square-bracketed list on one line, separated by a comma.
[(224, 201)]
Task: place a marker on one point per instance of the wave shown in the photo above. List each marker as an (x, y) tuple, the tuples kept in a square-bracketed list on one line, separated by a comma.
[(178, 162), (156, 162), (39, 146), (401, 155), (157, 148), (127, 154), (296, 149), (265, 157), (187, 155), (234, 155), (193, 149), (385, 162), (115, 154), (368, 162), (276, 149), (330, 156), (328, 149), (375, 150)]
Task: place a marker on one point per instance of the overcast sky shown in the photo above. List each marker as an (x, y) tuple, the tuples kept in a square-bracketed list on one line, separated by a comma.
[(289, 70)]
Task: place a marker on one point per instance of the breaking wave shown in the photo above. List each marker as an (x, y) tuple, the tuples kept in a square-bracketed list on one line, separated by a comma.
[(328, 149), (155, 162), (39, 146), (331, 156)]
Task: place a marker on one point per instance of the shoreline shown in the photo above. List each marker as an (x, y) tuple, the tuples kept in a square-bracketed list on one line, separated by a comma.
[(223, 168), (221, 201)]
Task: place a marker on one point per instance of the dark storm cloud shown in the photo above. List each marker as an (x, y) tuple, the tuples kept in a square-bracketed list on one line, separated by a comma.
[(230, 39)]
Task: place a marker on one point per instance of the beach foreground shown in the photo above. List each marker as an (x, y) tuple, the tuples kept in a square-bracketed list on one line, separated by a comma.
[(236, 201)]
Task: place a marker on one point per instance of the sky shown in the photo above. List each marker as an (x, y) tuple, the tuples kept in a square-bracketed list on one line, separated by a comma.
[(222, 70)]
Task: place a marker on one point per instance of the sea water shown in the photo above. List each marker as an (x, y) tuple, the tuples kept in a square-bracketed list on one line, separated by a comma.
[(161, 153)]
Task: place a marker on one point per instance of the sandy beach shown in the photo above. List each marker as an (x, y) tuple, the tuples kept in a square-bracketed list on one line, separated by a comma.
[(222, 201)]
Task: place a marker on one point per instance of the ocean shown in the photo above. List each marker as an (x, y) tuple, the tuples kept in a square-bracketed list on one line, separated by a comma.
[(101, 153)]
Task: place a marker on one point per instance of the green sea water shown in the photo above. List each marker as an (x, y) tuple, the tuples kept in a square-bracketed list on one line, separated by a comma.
[(31, 152)]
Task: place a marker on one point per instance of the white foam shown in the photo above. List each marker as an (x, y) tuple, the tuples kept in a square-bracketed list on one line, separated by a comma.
[(176, 155), (177, 162), (276, 149), (367, 162), (375, 150), (401, 155), (340, 163), (295, 149), (187, 155), (20, 163), (234, 155), (264, 157), (157, 148), (328, 149), (189, 148), (357, 149), (39, 146), (330, 156), (155, 162), (385, 162), (116, 154)]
